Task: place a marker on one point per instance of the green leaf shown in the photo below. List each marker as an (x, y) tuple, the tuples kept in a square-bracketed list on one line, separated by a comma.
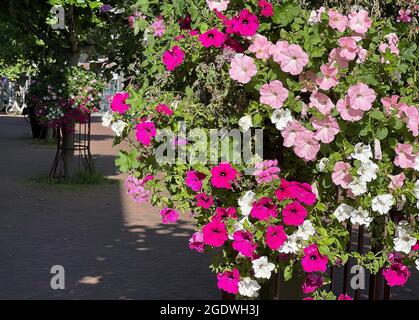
[(382, 133), (288, 272), (377, 114)]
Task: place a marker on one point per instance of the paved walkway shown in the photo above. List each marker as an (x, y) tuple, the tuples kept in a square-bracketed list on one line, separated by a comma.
[(110, 247)]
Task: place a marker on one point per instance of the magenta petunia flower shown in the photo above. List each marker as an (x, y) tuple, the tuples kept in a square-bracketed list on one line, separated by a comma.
[(215, 233), (247, 23), (303, 192), (119, 102), (242, 68), (173, 58), (229, 281), (196, 242), (344, 297), (396, 275), (294, 59), (263, 209), (275, 237), (312, 282), (337, 21), (294, 214), (284, 190), (204, 201), (223, 175), (273, 94), (266, 8), (145, 131), (212, 38), (164, 109), (361, 97), (313, 261), (169, 215), (233, 44), (243, 242), (194, 180), (225, 213)]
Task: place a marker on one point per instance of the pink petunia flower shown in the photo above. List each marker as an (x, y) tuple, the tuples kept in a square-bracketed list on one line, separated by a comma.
[(359, 21), (341, 175), (347, 112), (204, 201), (294, 60), (273, 94), (260, 47), (294, 214), (312, 282), (169, 215), (313, 261), (328, 78), (390, 103), (242, 68), (396, 274), (212, 38), (412, 118), (119, 102), (293, 129), (303, 192), (136, 188), (173, 58), (215, 233), (247, 23), (335, 56), (223, 175), (348, 47), (196, 242), (306, 146), (396, 181), (194, 180), (266, 171), (326, 129), (158, 27), (164, 109), (145, 131), (267, 9), (405, 158), (344, 297), (263, 209), (229, 281), (321, 102), (361, 97), (277, 51), (404, 15), (225, 213), (337, 21), (220, 5), (275, 237), (243, 242)]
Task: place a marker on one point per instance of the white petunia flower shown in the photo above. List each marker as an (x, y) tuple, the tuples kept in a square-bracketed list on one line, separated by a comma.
[(294, 244), (107, 119), (358, 186), (249, 288), (404, 242), (246, 201), (362, 152), (417, 264), (306, 230), (262, 267), (245, 123), (118, 127), (323, 163), (281, 118), (343, 212), (361, 217), (368, 171), (382, 203), (416, 189)]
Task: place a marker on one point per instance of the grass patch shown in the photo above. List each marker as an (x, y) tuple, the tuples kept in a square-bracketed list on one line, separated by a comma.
[(79, 179)]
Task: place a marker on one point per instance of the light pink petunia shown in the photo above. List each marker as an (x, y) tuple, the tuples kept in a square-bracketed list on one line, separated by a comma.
[(348, 47), (335, 56), (220, 5), (361, 97), (396, 181), (242, 68), (321, 102), (341, 176), (337, 21), (273, 94), (327, 129), (260, 47), (306, 146), (405, 157), (294, 60), (290, 133), (328, 77), (412, 119), (359, 21), (277, 51), (346, 112), (390, 103)]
